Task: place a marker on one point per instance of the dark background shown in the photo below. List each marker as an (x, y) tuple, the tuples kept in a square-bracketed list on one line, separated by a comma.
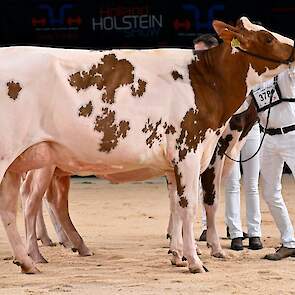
[(130, 24)]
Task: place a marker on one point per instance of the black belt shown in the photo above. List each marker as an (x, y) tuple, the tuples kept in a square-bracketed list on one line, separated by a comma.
[(276, 131)]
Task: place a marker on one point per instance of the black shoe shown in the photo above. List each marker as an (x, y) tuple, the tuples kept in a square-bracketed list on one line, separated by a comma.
[(203, 236), (237, 244), (255, 243), (245, 235)]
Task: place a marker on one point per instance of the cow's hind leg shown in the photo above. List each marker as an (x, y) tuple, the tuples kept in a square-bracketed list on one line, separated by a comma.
[(9, 191), (59, 204), (61, 235), (32, 191), (41, 230)]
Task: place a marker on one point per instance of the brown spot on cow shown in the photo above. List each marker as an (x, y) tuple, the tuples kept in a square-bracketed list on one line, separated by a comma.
[(141, 88), (83, 80), (86, 110), (182, 154), (213, 158), (223, 144), (244, 121), (111, 131), (176, 75), (183, 202), (108, 75), (191, 134), (212, 111), (207, 179), (153, 129), (178, 175), (13, 89), (170, 129)]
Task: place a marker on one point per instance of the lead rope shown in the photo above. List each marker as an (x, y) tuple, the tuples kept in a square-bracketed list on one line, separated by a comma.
[(264, 132)]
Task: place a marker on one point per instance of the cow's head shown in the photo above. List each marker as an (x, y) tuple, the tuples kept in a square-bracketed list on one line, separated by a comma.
[(268, 53)]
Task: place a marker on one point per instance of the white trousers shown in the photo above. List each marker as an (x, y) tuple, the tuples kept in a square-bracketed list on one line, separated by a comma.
[(250, 182), (276, 150)]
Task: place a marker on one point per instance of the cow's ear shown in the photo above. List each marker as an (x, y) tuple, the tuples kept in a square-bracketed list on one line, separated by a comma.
[(230, 34)]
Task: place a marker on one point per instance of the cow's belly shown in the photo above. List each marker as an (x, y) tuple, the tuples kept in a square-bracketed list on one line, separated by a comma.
[(118, 166), (134, 175)]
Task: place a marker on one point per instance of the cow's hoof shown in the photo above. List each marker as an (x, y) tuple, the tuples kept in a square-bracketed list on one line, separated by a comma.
[(197, 269), (27, 269), (48, 243), (219, 254), (178, 262), (181, 264), (85, 252), (30, 270)]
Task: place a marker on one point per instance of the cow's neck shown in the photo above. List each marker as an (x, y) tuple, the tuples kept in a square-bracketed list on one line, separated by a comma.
[(219, 82)]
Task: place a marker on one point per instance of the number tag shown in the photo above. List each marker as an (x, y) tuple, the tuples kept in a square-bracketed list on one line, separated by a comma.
[(263, 97)]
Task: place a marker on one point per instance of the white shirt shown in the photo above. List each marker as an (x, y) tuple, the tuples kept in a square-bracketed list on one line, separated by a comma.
[(283, 114)]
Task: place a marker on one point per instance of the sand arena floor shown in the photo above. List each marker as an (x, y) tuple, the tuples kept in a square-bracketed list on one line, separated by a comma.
[(125, 226)]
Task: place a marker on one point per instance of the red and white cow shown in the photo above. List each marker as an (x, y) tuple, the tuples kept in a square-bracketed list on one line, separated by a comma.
[(56, 196), (114, 112)]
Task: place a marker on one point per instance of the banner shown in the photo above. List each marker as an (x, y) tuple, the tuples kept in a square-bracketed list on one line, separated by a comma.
[(129, 24)]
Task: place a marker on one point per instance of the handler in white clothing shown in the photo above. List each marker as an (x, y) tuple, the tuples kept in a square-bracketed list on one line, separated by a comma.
[(232, 195), (278, 147)]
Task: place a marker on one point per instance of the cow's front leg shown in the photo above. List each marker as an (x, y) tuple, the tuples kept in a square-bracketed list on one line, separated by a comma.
[(187, 174), (212, 235), (211, 179), (175, 225)]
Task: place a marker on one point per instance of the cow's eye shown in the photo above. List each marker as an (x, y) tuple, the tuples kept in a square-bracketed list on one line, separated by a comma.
[(269, 39)]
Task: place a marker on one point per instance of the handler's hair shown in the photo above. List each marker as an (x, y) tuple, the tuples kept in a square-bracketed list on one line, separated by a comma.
[(209, 40)]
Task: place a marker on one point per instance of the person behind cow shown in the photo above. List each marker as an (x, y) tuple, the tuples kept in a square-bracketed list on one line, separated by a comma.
[(204, 42), (232, 195), (277, 148)]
